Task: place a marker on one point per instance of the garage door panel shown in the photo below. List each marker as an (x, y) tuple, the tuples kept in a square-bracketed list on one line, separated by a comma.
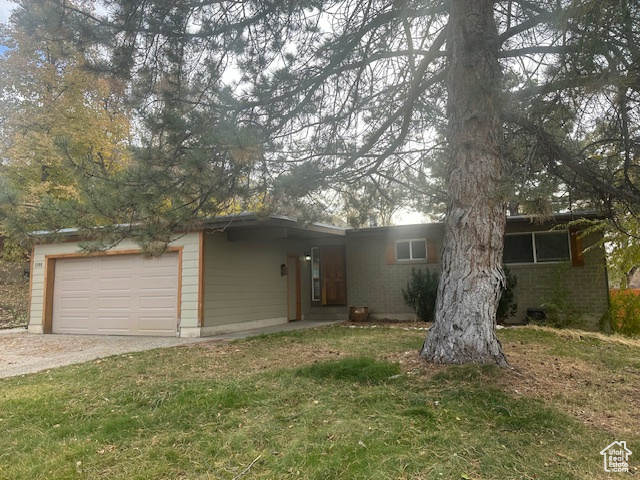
[(75, 303), (73, 324), (74, 285), (117, 284), (162, 303), (150, 282), (116, 262), (156, 326), (117, 295), (76, 265), (113, 322), (154, 263), (113, 302)]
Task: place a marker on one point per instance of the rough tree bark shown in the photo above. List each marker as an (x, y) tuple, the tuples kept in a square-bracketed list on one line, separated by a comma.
[(471, 274)]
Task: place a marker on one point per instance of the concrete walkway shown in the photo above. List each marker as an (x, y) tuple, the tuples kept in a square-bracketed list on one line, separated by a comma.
[(22, 352)]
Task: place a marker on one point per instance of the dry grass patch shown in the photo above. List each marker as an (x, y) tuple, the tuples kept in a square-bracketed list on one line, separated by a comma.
[(584, 388), (247, 359), (581, 387), (273, 352), (570, 334), (597, 396)]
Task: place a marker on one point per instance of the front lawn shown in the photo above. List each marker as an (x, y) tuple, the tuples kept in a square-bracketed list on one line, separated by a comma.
[(331, 403)]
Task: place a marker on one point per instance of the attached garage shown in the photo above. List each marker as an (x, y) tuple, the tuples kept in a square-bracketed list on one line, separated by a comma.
[(230, 275), (116, 295), (118, 291)]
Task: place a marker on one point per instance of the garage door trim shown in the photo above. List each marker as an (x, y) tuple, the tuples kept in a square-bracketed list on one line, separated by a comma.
[(50, 273)]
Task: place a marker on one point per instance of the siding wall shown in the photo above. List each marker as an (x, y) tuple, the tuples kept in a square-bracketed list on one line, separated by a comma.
[(242, 283), (189, 300)]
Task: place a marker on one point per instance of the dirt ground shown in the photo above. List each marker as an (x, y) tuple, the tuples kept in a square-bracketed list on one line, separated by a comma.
[(14, 300)]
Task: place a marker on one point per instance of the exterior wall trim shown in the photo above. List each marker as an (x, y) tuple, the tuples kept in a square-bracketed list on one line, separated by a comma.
[(201, 266)]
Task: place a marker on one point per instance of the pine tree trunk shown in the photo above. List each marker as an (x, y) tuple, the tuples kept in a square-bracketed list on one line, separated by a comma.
[(471, 276)]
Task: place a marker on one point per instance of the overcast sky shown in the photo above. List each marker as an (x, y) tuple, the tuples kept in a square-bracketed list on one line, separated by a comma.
[(5, 7)]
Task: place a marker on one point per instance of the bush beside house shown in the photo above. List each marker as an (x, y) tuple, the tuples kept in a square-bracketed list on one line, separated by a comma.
[(625, 312), (422, 290)]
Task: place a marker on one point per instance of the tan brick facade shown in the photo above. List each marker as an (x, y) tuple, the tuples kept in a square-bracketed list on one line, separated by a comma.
[(376, 282)]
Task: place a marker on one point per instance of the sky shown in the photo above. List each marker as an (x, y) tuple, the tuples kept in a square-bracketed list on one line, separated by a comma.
[(5, 10), (5, 7)]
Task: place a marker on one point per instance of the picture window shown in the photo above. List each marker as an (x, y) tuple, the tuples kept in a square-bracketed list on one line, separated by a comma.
[(536, 247)]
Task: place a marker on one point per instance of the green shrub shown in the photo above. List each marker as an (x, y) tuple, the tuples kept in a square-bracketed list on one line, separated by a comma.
[(625, 313), (507, 307), (422, 290), (421, 293)]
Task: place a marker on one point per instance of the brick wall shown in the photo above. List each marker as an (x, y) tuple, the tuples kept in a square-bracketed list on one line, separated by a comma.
[(581, 287), (376, 283)]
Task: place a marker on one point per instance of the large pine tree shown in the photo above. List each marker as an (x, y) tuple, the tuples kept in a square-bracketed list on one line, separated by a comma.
[(335, 92)]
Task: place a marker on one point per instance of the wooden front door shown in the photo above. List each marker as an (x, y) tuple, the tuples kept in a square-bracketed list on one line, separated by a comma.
[(334, 276)]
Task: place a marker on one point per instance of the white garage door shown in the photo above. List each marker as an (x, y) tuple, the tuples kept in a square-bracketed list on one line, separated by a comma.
[(116, 295)]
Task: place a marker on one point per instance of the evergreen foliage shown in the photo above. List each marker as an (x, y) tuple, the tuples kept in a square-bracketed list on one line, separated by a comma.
[(422, 289), (560, 310), (326, 94), (421, 293), (507, 307)]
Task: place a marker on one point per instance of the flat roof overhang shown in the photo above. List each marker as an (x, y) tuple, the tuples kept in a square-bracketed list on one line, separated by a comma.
[(249, 225)]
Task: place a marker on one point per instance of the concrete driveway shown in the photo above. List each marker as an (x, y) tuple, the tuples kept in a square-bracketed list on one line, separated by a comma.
[(22, 352)]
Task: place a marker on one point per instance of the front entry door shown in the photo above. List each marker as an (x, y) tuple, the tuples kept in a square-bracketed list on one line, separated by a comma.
[(334, 277)]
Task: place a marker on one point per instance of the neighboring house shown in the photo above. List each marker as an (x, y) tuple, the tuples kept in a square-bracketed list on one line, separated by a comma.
[(240, 273)]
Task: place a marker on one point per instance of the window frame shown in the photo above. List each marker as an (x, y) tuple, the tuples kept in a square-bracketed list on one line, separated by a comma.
[(411, 257), (316, 275), (533, 246)]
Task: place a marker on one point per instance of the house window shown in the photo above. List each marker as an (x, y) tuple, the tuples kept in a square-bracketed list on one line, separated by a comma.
[(536, 247), (415, 249), (315, 274)]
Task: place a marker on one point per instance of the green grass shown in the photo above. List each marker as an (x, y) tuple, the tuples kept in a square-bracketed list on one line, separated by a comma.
[(322, 404)]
